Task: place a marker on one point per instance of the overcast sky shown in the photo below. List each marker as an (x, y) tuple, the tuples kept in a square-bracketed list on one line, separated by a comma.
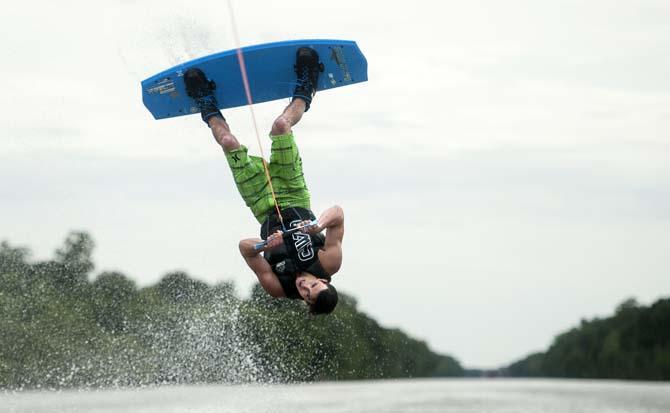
[(504, 173)]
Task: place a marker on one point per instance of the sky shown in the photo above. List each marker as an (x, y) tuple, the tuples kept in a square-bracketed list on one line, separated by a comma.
[(505, 172)]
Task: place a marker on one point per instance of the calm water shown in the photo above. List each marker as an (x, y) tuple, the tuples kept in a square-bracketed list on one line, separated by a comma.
[(459, 395)]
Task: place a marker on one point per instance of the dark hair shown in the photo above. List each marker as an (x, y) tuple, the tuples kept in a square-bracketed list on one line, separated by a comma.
[(325, 301)]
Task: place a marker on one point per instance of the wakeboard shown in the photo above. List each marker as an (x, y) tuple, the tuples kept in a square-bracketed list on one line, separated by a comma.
[(270, 73)]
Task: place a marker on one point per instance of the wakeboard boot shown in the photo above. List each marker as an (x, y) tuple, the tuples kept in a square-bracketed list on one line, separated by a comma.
[(307, 69), (201, 89)]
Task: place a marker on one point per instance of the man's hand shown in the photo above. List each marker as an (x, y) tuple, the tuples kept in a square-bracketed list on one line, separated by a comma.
[(274, 240), (309, 227), (331, 218)]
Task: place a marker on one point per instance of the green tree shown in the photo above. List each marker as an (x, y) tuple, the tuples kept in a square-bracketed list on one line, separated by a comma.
[(74, 261), (632, 344), (62, 328), (113, 294), (177, 286)]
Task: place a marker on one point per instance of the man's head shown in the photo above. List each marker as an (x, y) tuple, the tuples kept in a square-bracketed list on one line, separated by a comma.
[(325, 301), (318, 293)]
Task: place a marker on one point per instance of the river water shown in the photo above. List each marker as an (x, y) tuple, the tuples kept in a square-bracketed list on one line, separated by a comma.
[(388, 396)]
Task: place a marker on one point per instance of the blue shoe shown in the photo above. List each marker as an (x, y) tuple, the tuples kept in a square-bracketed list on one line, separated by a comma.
[(307, 69), (201, 89)]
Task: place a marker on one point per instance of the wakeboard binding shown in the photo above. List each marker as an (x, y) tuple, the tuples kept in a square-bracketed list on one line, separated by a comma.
[(307, 69), (201, 89)]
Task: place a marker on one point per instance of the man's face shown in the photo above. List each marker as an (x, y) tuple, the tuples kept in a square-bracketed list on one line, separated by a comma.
[(310, 287)]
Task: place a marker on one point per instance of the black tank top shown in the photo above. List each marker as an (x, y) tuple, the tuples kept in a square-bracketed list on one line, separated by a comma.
[(299, 253)]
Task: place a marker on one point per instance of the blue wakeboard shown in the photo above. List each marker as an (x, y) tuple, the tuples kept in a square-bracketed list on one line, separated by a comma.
[(270, 71)]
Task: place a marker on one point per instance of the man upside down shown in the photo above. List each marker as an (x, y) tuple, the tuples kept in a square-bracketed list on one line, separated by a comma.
[(298, 265)]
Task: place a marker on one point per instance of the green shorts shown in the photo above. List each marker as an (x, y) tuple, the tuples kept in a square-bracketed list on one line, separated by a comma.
[(286, 173)]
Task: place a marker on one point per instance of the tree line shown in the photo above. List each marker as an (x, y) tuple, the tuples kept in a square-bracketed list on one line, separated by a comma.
[(61, 327), (632, 344)]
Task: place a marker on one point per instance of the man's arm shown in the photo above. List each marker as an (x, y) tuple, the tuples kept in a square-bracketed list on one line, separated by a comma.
[(260, 267), (332, 220)]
